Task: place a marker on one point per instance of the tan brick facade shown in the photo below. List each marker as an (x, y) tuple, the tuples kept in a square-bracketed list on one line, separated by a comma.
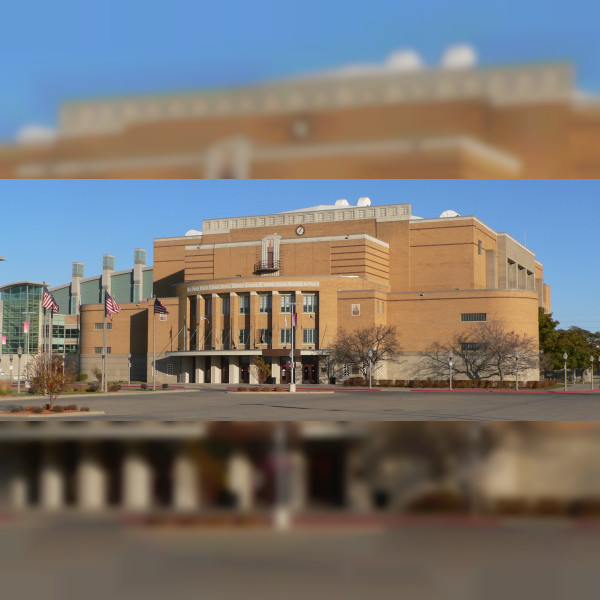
[(364, 266)]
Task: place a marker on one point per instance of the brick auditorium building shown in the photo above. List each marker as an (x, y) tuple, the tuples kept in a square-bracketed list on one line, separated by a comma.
[(230, 290)]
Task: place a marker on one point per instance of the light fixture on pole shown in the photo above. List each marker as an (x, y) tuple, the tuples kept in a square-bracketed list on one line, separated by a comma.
[(129, 370), (10, 356), (450, 369), (26, 325), (592, 372), (293, 363), (565, 356), (19, 354), (517, 371), (370, 365)]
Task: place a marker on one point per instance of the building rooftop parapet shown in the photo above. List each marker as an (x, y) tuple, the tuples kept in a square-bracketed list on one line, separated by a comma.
[(391, 212), (508, 85)]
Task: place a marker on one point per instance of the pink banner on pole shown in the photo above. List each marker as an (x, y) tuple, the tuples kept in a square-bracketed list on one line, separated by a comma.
[(4, 340), (26, 326)]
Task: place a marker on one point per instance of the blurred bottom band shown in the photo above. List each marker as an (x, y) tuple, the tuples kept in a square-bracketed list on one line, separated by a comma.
[(305, 472)]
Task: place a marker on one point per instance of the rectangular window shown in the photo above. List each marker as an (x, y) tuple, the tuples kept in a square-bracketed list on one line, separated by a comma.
[(207, 306), (98, 350), (309, 303), (225, 305), (471, 317), (244, 337), (100, 326), (265, 336), (169, 368), (479, 247), (308, 336), (265, 303), (286, 303), (226, 337), (469, 346), (286, 336), (244, 304)]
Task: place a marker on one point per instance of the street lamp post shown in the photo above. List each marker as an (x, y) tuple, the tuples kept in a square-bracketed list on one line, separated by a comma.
[(450, 369), (565, 356), (129, 370), (370, 365), (517, 371), (19, 354), (27, 351), (293, 363), (592, 372), (10, 356)]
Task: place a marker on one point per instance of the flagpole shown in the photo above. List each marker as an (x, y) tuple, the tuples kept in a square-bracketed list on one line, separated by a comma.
[(104, 374), (153, 345)]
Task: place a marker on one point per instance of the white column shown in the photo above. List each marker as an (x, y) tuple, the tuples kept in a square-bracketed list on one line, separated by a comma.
[(199, 369), (52, 480), (240, 480), (276, 369), (186, 496), (234, 369), (16, 484), (215, 369), (91, 480), (137, 480), (253, 373), (358, 490), (297, 481)]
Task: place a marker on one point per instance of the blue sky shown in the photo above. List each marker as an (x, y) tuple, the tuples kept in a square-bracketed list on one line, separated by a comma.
[(51, 52), (46, 225)]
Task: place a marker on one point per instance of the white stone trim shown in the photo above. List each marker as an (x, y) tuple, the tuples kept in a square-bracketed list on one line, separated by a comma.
[(390, 212), (251, 284)]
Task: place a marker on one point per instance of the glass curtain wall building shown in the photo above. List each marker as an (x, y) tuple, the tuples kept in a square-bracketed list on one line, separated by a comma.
[(21, 303)]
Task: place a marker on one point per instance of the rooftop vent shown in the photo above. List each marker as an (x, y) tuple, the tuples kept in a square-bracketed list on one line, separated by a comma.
[(461, 56), (341, 203), (364, 201), (449, 213)]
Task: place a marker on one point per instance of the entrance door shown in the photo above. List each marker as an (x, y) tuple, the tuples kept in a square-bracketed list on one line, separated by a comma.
[(310, 373), (244, 371)]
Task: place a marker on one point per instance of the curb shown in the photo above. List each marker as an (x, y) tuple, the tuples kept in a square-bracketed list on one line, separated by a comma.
[(53, 416)]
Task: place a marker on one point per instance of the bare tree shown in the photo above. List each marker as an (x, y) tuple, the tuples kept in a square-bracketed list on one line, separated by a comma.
[(50, 376), (353, 347), (489, 350)]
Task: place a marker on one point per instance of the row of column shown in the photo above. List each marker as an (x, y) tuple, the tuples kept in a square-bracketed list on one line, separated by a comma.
[(234, 321), (91, 482)]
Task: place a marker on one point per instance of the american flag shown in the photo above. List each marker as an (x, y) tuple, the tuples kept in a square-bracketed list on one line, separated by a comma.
[(48, 301), (159, 307), (112, 308)]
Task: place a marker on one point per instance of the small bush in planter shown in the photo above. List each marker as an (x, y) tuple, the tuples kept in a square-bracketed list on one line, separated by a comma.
[(93, 387), (71, 407), (114, 387), (165, 386), (58, 409), (36, 410), (84, 409), (144, 386), (15, 409), (82, 377)]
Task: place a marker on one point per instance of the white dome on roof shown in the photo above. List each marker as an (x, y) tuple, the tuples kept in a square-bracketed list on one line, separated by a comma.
[(341, 203)]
